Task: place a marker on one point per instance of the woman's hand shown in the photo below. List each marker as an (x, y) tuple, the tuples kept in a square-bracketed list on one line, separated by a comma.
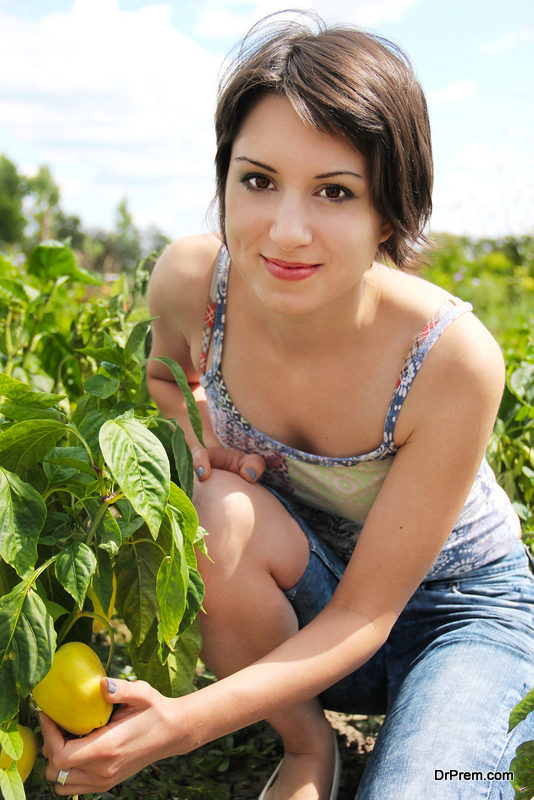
[(249, 466), (144, 728)]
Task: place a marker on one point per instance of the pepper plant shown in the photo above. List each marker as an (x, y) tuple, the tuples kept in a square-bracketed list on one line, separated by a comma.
[(95, 487)]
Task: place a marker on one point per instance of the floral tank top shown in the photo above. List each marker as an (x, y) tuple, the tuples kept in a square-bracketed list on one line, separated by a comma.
[(334, 495)]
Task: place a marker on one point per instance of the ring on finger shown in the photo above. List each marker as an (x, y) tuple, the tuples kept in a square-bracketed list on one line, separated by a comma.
[(62, 776)]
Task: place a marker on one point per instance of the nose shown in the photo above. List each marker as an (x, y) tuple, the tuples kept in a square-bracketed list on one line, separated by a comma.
[(290, 226)]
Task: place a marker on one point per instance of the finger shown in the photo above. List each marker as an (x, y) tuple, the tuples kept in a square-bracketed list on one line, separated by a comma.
[(86, 752), (201, 462), (231, 460), (251, 467), (132, 693), (77, 782), (54, 741)]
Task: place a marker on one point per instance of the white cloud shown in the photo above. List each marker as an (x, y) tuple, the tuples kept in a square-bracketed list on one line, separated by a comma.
[(121, 104), (455, 90), (486, 188), (219, 18), (509, 41), (109, 98)]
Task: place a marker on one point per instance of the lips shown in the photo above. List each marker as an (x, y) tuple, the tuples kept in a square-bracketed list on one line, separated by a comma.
[(290, 270)]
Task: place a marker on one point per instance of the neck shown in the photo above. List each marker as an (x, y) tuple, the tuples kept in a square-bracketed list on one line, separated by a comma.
[(342, 321)]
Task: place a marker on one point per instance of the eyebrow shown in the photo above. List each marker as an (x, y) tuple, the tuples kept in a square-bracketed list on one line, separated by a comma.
[(323, 175)]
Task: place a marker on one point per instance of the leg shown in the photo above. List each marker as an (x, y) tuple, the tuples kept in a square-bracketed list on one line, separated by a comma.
[(446, 733), (258, 552)]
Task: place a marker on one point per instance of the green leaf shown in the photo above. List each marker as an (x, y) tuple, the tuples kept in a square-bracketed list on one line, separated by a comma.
[(190, 402), (74, 459), (522, 767), (186, 516), (139, 464), (11, 783), (109, 351), (175, 676), (22, 516), (183, 461), (521, 710), (110, 369), (54, 609), (21, 393), (521, 510), (18, 412), (102, 582), (195, 596), (51, 260), (171, 589), (200, 542), (27, 644), (11, 741), (8, 578), (136, 587), (137, 337), (74, 569), (10, 290), (90, 425), (26, 443), (100, 386), (129, 527), (108, 536), (522, 382), (186, 511)]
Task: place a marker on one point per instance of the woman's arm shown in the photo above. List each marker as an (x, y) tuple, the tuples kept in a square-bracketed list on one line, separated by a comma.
[(177, 297), (178, 294)]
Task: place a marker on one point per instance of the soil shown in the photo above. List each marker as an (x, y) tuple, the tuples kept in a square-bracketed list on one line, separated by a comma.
[(356, 735)]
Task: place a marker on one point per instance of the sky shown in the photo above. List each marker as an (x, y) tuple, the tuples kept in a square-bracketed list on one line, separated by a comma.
[(117, 98)]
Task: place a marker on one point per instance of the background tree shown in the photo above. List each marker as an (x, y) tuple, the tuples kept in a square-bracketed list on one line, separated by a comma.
[(69, 227), (43, 203), (30, 213), (127, 244), (12, 186)]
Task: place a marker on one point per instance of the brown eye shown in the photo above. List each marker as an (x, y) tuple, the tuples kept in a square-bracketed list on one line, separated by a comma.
[(259, 181), (335, 193), (256, 183)]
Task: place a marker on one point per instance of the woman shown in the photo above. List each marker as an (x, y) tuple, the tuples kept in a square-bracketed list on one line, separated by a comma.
[(363, 556)]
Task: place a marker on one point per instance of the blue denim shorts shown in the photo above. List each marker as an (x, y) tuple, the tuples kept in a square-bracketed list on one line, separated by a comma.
[(458, 659)]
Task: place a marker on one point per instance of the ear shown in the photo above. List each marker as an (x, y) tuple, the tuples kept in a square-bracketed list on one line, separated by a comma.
[(385, 231)]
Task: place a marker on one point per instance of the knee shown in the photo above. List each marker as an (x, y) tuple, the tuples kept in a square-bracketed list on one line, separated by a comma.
[(225, 506), (249, 532)]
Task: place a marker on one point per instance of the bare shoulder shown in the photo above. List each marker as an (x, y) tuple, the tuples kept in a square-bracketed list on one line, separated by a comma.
[(466, 345), (471, 352), (464, 372), (183, 272), (461, 381), (177, 296)]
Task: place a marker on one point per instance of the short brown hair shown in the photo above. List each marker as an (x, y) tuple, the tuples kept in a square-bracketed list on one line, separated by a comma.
[(348, 81)]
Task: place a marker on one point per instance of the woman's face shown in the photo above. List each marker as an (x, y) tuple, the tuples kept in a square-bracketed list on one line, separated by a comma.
[(300, 225)]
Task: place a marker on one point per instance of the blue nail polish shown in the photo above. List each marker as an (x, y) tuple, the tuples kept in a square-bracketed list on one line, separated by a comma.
[(251, 473), (200, 472), (112, 686)]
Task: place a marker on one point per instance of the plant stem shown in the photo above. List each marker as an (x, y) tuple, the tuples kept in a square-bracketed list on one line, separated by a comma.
[(73, 617), (100, 476), (10, 352), (135, 542), (45, 296), (79, 436), (106, 503), (106, 622)]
